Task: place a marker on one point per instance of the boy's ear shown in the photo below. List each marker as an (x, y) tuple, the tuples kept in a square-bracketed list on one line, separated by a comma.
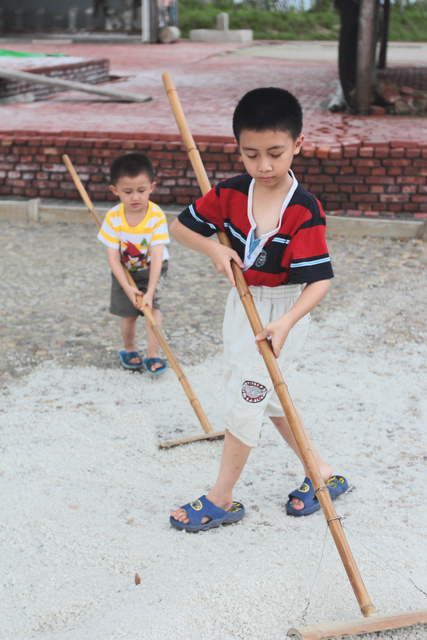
[(298, 144), (153, 186), (113, 190)]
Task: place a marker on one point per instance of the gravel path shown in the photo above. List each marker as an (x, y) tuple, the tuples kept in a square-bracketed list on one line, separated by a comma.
[(86, 492), (55, 307)]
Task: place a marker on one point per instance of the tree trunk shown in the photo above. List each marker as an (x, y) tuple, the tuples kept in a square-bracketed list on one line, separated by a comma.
[(365, 56), (347, 49), (382, 60)]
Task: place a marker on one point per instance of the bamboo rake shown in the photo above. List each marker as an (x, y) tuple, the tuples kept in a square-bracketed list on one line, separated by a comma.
[(210, 434), (322, 492), (355, 627)]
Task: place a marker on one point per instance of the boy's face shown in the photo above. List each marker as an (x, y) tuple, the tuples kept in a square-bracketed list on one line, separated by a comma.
[(134, 193), (267, 155)]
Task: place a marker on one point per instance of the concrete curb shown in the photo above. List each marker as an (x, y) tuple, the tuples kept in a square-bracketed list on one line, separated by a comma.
[(37, 211)]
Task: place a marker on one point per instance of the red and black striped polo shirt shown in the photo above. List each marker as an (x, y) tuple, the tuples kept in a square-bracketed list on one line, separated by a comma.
[(295, 254)]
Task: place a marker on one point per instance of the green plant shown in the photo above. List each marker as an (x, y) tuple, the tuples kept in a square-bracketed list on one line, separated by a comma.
[(410, 24)]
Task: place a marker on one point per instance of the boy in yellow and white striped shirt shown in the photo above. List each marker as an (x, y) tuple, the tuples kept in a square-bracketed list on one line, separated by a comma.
[(136, 234)]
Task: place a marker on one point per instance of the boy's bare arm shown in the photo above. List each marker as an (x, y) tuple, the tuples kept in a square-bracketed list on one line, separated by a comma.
[(156, 262), (220, 255), (278, 330), (116, 267)]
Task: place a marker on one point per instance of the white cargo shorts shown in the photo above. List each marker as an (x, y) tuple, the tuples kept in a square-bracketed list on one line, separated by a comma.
[(249, 394)]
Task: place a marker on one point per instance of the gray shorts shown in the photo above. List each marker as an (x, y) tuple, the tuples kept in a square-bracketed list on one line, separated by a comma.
[(120, 305)]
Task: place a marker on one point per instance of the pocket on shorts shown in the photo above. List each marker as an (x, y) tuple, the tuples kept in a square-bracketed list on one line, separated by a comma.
[(295, 341)]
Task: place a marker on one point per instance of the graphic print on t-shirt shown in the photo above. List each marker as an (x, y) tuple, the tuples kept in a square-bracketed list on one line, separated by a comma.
[(132, 256)]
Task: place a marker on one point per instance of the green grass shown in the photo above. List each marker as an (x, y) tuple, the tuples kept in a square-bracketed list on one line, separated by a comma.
[(411, 25)]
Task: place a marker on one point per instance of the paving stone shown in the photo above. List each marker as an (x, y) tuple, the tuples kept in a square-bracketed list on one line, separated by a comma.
[(210, 78)]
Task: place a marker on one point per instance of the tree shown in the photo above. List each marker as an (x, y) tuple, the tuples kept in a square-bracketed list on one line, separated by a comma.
[(360, 26)]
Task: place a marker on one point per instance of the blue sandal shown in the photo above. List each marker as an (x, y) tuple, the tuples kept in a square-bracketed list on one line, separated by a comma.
[(125, 356), (202, 507), (149, 363), (337, 485)]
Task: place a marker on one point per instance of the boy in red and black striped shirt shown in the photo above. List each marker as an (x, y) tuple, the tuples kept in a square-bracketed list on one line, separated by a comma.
[(277, 235)]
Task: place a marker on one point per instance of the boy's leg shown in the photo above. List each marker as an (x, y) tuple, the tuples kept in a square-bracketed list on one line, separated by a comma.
[(234, 456), (128, 328), (152, 343), (282, 425)]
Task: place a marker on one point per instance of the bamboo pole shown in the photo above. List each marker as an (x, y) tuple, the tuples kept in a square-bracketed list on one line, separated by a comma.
[(322, 492), (198, 410), (69, 85)]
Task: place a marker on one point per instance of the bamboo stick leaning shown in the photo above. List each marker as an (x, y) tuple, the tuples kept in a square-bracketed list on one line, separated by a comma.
[(322, 492), (209, 434), (70, 85)]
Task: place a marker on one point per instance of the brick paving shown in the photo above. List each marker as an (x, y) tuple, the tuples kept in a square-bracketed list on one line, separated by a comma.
[(209, 77), (381, 159)]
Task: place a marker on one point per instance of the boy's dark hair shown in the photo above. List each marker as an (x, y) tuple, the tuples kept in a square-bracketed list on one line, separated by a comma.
[(268, 108), (131, 165)]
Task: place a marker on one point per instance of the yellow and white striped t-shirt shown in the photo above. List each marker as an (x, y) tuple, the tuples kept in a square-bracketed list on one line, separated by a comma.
[(135, 243)]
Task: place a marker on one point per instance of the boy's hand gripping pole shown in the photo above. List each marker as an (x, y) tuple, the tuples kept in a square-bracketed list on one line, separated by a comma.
[(322, 492), (210, 434)]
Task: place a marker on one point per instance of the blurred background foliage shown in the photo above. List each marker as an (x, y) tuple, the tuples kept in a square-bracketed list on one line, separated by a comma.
[(296, 19)]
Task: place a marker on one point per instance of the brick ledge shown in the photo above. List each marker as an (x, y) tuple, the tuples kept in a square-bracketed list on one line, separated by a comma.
[(338, 223)]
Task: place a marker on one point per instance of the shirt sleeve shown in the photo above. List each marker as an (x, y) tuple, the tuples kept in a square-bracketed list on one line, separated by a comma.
[(204, 216), (308, 251), (107, 233), (160, 233)]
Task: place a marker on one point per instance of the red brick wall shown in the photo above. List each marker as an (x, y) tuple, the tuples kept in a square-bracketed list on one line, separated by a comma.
[(370, 179)]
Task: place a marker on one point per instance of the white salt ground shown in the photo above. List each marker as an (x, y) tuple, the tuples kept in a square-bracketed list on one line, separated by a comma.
[(86, 496)]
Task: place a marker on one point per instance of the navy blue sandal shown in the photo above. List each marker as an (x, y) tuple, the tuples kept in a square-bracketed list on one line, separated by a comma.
[(149, 363), (202, 507), (126, 356), (337, 485)]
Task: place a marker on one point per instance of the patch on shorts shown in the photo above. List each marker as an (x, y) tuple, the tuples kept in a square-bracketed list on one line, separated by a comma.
[(253, 391)]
